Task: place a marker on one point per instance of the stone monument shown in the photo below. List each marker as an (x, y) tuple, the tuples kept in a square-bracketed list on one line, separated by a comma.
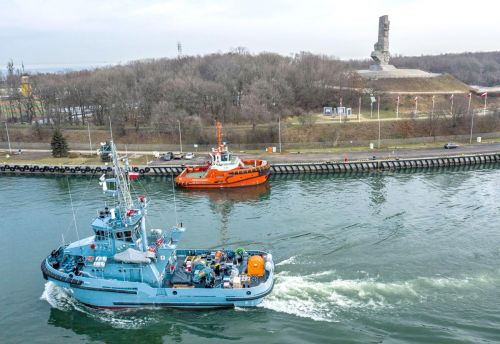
[(381, 69), (380, 54)]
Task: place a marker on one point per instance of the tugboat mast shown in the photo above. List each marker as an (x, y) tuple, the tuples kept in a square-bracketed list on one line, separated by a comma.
[(122, 183)]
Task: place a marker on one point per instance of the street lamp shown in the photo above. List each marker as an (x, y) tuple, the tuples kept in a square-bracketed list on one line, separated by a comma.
[(90, 141), (8, 138), (279, 131), (180, 134)]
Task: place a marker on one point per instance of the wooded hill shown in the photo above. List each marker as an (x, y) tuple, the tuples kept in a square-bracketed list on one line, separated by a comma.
[(235, 87)]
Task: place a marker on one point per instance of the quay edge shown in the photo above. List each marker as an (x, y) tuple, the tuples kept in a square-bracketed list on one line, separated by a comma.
[(277, 168)]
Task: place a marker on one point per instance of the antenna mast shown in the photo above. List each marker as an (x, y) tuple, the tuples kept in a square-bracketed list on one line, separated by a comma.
[(179, 49), (122, 184)]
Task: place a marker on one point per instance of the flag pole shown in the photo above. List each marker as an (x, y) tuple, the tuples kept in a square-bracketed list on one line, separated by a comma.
[(359, 109), (485, 99), (432, 112), (378, 115), (451, 110), (397, 108)]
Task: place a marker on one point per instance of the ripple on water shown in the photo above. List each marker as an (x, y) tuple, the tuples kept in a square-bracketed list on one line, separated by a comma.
[(125, 319), (324, 296)]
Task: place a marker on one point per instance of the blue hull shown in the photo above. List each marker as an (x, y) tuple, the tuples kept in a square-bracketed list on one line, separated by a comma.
[(116, 294)]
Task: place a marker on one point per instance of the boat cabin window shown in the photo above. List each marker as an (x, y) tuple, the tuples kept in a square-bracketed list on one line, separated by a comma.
[(225, 157), (102, 235), (124, 236)]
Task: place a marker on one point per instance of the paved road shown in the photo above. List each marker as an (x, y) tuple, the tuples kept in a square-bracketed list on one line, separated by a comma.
[(309, 157), (385, 153)]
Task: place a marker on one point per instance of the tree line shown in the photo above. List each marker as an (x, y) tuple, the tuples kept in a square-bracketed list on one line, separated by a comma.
[(192, 91), (234, 87)]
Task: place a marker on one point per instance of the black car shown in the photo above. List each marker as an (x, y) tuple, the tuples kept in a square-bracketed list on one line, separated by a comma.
[(450, 145)]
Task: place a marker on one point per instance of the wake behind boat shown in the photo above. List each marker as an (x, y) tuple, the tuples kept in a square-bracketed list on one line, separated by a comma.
[(224, 170), (124, 266)]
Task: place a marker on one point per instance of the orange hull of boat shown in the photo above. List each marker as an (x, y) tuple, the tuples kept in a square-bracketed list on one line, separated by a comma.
[(213, 179)]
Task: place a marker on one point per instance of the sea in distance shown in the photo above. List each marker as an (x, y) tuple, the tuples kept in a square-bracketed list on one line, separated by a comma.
[(363, 258)]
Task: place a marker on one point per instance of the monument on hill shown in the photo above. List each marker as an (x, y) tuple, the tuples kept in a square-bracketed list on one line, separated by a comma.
[(381, 69), (380, 54)]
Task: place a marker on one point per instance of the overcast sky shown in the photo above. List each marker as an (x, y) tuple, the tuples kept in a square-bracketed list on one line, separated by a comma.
[(111, 31)]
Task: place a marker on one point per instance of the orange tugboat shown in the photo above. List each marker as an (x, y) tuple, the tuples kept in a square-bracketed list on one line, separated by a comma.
[(225, 170)]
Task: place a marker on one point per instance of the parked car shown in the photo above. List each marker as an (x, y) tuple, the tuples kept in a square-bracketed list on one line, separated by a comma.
[(189, 156), (178, 155), (168, 156), (450, 145)]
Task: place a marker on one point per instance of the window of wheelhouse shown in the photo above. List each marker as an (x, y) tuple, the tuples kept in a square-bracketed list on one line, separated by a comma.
[(102, 235), (124, 236)]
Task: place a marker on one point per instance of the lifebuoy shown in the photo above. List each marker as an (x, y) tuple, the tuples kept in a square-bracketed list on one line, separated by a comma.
[(98, 169), (147, 169), (72, 170), (135, 169), (141, 171), (77, 168)]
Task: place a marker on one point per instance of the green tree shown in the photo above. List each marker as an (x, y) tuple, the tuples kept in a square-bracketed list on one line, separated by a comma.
[(59, 145)]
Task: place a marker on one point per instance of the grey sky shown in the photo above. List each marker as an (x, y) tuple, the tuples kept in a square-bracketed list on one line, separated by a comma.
[(92, 31)]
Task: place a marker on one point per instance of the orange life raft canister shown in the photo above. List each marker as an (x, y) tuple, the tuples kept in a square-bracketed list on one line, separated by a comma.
[(256, 266)]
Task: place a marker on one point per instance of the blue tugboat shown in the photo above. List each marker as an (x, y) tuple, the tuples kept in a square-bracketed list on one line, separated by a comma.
[(125, 266)]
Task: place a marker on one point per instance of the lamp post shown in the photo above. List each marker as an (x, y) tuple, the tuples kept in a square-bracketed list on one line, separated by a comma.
[(279, 131), (90, 140), (8, 138), (180, 134)]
